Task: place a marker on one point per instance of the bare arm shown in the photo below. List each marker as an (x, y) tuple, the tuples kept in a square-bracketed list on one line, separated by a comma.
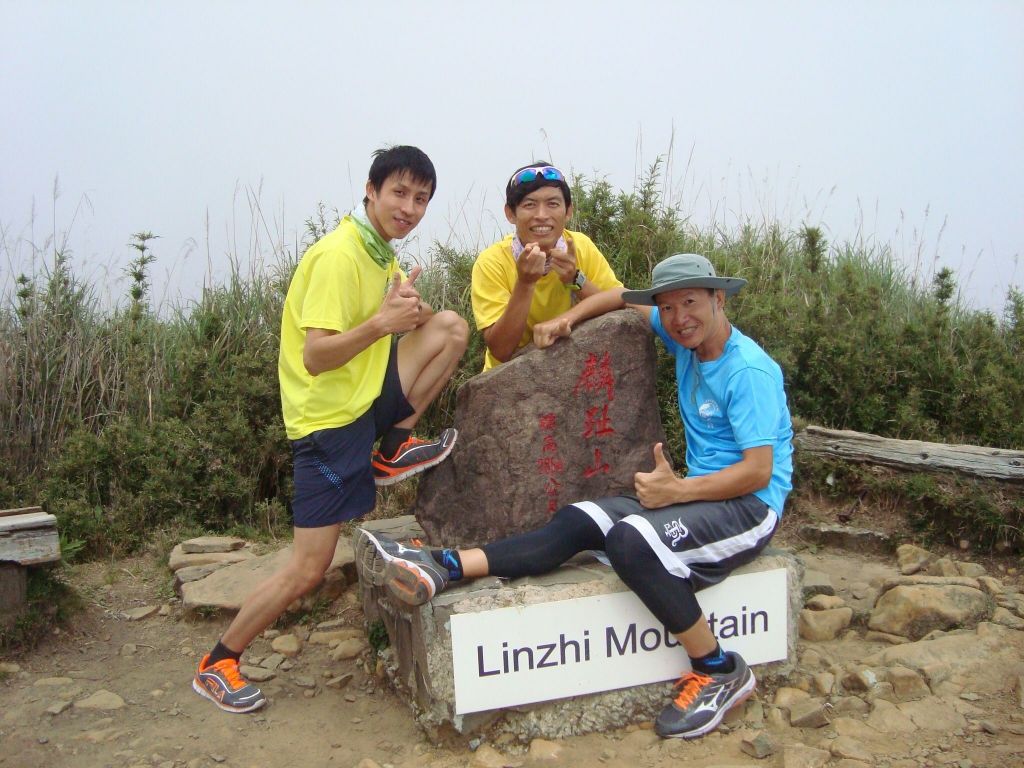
[(502, 338), (544, 334), (662, 486), (325, 349)]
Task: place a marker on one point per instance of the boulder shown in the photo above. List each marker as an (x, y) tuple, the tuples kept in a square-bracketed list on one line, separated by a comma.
[(825, 602), (824, 624), (179, 558), (912, 559), (549, 427), (759, 746), (810, 713), (226, 588), (933, 714), (204, 544), (982, 656), (914, 611), (287, 645), (907, 684), (944, 566), (974, 570), (194, 573)]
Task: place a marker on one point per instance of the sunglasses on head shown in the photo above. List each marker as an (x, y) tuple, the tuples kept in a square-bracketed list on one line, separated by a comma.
[(546, 172)]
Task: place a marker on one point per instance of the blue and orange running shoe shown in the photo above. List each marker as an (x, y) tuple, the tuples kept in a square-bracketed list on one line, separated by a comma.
[(223, 684), (410, 574), (413, 456)]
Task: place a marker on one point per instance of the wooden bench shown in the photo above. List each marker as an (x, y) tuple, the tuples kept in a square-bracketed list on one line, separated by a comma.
[(28, 536)]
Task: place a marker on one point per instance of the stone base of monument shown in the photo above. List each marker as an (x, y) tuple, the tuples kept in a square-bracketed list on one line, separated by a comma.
[(559, 655)]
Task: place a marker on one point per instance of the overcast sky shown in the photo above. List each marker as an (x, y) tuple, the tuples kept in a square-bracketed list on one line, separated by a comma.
[(897, 122)]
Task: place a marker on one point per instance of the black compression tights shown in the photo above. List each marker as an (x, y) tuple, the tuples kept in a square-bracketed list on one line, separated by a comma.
[(569, 532), (670, 598)]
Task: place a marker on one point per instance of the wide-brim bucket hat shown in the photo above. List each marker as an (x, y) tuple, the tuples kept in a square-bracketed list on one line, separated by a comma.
[(683, 270)]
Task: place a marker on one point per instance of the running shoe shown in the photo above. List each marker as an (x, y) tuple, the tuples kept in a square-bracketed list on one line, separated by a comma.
[(224, 685), (411, 574), (413, 456), (703, 700)]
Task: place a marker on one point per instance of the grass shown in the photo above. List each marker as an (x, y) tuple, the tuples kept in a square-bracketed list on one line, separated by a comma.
[(126, 422)]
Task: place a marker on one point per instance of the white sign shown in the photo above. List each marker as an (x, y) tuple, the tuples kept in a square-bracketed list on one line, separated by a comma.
[(511, 656)]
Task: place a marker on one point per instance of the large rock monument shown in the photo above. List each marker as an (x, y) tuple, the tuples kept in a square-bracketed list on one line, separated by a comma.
[(547, 428)]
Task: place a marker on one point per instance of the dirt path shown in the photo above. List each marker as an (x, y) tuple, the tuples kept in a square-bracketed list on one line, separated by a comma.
[(159, 721)]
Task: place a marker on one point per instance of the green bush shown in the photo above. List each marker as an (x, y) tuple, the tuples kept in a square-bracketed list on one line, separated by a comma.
[(123, 421)]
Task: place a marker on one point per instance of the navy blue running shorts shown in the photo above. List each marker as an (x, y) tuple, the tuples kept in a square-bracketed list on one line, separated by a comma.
[(332, 471)]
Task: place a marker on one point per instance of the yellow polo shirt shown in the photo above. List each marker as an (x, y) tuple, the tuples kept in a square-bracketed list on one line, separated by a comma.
[(336, 286), (494, 277)]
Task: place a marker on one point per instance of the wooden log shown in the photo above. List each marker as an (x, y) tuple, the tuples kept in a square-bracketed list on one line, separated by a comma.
[(29, 539), (25, 522), (21, 511), (914, 455), (31, 547), (13, 593)]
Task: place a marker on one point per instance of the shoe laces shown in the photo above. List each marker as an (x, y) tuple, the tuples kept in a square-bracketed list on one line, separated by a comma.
[(410, 442), (230, 669), (416, 542), (690, 685)]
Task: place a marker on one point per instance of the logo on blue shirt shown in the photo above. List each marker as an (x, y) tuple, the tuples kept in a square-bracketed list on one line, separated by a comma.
[(708, 410)]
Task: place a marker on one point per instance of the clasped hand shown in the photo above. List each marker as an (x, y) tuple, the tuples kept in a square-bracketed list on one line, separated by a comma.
[(533, 263)]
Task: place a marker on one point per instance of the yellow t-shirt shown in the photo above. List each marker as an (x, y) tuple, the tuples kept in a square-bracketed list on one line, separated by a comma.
[(337, 286), (494, 277)]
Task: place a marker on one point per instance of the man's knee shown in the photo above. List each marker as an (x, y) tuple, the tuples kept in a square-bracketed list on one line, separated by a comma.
[(624, 544), (305, 577), (452, 325)]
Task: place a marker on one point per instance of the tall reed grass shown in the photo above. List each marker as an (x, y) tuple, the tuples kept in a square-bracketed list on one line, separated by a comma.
[(123, 420)]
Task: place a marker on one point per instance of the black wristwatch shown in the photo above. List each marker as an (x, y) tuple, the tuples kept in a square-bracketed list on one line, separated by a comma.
[(578, 281)]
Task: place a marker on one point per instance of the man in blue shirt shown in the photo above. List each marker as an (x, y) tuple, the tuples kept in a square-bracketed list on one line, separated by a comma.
[(677, 535)]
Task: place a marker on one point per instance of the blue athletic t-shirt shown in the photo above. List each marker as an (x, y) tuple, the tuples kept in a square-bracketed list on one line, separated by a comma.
[(731, 404)]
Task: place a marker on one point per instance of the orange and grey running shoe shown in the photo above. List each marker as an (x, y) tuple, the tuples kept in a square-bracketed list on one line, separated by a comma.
[(703, 700), (410, 574), (413, 456), (224, 685)]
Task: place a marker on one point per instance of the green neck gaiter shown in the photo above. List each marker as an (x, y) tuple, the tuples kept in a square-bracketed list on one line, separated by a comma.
[(379, 249)]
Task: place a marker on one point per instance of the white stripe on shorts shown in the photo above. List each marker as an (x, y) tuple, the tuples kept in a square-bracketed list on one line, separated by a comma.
[(596, 514), (676, 563)]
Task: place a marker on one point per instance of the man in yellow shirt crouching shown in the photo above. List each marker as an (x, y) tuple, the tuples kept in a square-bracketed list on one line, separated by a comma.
[(345, 382)]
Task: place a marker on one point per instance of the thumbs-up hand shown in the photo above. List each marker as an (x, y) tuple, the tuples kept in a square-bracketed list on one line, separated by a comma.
[(408, 287), (400, 311), (659, 487)]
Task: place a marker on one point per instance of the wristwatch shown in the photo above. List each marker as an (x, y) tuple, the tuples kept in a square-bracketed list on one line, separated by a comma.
[(578, 281)]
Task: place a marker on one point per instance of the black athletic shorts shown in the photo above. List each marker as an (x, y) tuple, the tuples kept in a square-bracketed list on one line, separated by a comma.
[(332, 472), (703, 541)]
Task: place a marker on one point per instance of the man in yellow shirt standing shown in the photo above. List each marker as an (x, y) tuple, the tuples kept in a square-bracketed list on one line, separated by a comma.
[(540, 272), (345, 382)]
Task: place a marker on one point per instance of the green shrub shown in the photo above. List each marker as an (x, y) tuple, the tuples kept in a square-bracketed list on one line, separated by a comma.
[(124, 421)]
